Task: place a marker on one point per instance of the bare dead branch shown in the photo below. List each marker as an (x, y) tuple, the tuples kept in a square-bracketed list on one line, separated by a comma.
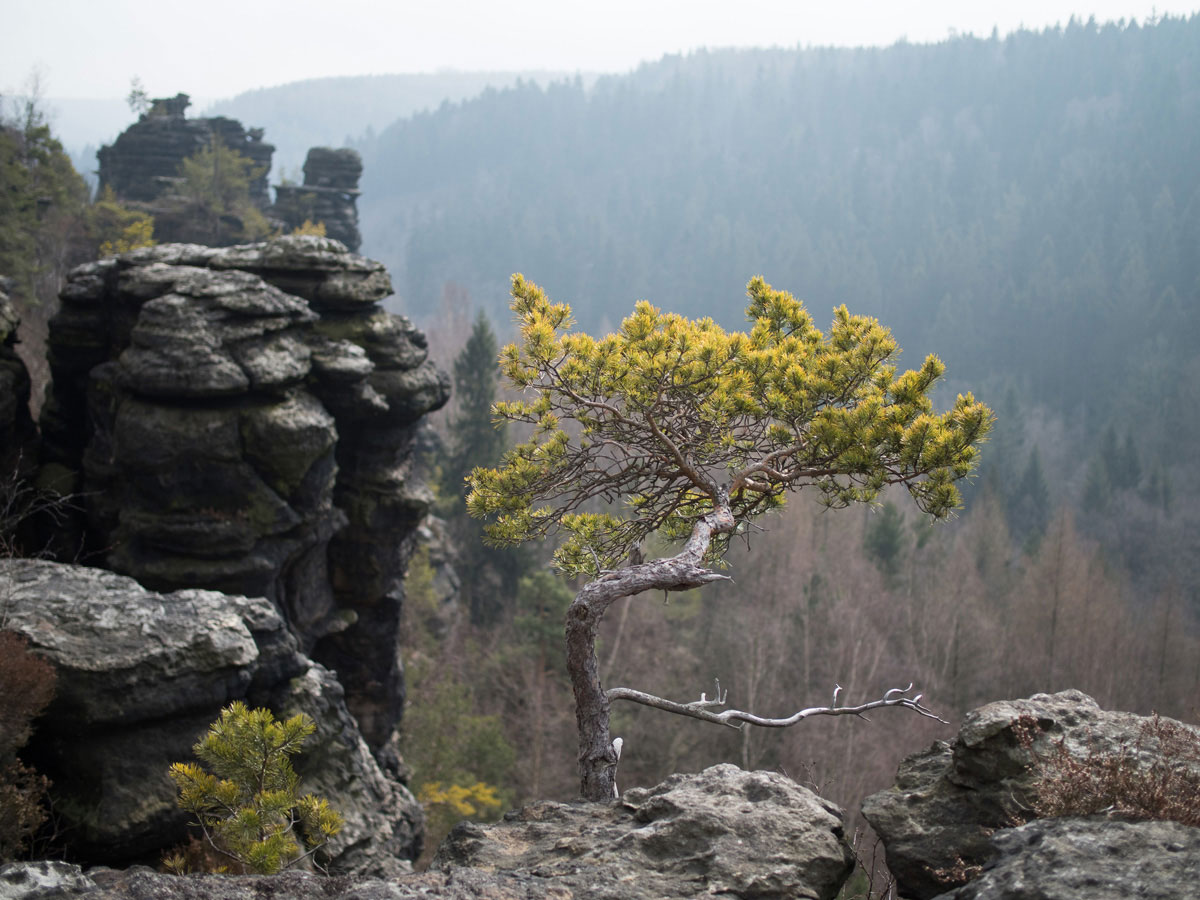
[(735, 718)]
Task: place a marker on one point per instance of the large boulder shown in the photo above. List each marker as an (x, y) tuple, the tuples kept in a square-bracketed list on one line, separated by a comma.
[(719, 832), (243, 419), (941, 820), (1089, 859), (140, 675), (722, 831)]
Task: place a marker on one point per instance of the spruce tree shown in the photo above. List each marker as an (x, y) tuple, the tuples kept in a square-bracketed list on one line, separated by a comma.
[(489, 576), (475, 439), (1029, 504)]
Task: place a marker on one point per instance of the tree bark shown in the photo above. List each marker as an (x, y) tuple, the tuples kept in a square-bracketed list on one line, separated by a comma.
[(597, 758)]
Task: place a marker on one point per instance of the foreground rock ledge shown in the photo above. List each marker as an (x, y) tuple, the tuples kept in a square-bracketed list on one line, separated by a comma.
[(1089, 859), (722, 831), (142, 674), (952, 811)]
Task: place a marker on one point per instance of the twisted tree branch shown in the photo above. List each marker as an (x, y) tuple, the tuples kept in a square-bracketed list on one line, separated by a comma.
[(735, 718)]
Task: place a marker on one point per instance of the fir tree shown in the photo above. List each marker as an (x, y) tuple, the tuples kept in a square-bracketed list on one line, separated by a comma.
[(1029, 503)]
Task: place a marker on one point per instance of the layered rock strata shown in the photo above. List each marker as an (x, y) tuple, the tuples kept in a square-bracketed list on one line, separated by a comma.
[(144, 159), (142, 167), (242, 419), (944, 820), (140, 675), (329, 195)]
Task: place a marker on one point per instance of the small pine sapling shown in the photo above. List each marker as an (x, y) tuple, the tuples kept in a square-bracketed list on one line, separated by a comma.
[(249, 808)]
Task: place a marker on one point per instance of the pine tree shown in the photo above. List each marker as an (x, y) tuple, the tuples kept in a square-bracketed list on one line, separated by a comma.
[(215, 181), (691, 432), (250, 808)]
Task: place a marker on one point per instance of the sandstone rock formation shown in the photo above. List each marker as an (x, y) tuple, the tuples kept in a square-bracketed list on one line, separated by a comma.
[(140, 675), (142, 168), (146, 156), (329, 195), (142, 164), (719, 832), (722, 831), (945, 817), (242, 419)]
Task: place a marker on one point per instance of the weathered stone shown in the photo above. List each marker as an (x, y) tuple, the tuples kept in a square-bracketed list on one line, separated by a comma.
[(391, 341), (41, 878), (25, 881), (176, 354), (1088, 859), (222, 437), (141, 675), (949, 800), (329, 194), (142, 164), (172, 254), (410, 394), (721, 831), (339, 362), (303, 254), (125, 654), (319, 269), (329, 168), (283, 441)]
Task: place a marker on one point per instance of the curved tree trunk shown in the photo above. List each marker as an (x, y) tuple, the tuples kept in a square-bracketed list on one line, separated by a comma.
[(597, 757)]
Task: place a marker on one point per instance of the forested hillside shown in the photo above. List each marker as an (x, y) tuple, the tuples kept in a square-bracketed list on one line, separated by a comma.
[(1026, 207), (329, 112)]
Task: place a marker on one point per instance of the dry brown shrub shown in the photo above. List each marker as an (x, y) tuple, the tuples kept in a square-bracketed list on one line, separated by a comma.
[(26, 687), (1155, 777)]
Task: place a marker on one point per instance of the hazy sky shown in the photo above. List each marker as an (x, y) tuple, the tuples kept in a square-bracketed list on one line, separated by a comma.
[(217, 48)]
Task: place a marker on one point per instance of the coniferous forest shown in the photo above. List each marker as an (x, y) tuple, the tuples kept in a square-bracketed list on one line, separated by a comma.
[(1027, 208)]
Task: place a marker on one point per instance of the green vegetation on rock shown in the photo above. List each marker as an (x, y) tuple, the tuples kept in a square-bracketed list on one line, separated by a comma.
[(215, 182), (249, 807)]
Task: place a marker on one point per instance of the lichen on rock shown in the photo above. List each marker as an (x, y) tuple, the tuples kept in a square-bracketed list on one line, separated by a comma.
[(140, 677), (243, 419)]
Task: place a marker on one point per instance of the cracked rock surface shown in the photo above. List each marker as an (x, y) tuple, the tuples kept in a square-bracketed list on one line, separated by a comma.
[(243, 419), (720, 832), (953, 805), (141, 675)]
